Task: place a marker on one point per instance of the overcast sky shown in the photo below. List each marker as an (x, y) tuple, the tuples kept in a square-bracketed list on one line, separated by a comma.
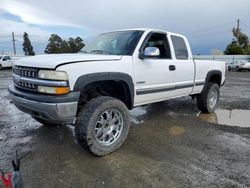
[(206, 23)]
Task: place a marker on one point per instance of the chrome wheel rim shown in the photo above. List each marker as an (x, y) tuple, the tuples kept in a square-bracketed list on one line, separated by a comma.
[(108, 127), (213, 98)]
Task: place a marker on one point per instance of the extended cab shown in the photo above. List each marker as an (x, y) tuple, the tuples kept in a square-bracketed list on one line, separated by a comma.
[(118, 71)]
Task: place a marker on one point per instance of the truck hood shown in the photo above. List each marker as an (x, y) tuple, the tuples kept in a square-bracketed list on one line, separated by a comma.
[(54, 60)]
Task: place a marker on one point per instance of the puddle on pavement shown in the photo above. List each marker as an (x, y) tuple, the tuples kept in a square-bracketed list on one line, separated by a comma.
[(136, 114), (175, 130), (240, 118)]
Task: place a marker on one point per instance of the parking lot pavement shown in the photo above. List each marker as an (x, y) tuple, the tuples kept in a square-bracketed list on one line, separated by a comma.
[(170, 145)]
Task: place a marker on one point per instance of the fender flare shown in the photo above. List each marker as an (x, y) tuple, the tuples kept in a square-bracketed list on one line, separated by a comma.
[(87, 79), (209, 75)]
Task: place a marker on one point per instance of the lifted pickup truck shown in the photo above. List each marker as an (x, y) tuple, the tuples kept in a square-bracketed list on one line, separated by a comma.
[(118, 71)]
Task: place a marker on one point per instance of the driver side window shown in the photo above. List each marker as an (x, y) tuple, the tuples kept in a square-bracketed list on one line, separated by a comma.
[(159, 40)]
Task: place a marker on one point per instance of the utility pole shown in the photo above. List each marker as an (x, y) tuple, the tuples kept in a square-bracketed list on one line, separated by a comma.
[(14, 44), (238, 27), (238, 24)]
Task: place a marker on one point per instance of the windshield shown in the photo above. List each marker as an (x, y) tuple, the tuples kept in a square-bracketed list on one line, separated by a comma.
[(115, 43)]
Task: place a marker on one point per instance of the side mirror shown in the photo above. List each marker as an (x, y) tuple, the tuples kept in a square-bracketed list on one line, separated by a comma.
[(150, 52)]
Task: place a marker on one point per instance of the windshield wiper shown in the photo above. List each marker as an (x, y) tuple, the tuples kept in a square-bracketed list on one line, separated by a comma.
[(100, 52)]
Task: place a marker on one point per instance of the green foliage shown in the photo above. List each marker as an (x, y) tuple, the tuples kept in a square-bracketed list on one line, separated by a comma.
[(75, 45), (58, 45), (242, 38), (240, 44), (234, 49), (248, 51), (27, 47)]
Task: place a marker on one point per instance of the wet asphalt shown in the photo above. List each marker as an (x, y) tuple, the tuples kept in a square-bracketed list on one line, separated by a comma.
[(169, 145)]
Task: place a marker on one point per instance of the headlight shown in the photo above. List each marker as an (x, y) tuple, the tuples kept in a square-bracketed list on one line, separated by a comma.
[(53, 90), (53, 75)]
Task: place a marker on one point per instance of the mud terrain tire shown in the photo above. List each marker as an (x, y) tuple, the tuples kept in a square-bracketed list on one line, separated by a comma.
[(208, 100), (102, 125)]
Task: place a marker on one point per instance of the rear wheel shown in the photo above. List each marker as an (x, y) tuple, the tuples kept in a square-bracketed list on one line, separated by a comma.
[(208, 100), (238, 69), (102, 125), (229, 69)]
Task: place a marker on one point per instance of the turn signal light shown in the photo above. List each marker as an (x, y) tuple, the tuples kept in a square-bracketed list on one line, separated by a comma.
[(62, 90), (53, 90)]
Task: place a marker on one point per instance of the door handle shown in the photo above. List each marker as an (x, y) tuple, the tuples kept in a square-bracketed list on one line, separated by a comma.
[(171, 67)]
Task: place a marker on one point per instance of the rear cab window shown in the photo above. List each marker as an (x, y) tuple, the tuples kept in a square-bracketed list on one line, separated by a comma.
[(180, 47)]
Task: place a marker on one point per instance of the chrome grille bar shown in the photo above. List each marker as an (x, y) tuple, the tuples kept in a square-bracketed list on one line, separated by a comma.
[(26, 71), (40, 82)]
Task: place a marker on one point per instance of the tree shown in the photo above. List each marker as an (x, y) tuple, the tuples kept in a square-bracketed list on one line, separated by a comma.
[(58, 45), (27, 47), (242, 38), (234, 49), (239, 45), (75, 45)]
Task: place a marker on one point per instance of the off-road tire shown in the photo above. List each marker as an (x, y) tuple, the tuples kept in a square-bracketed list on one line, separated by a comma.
[(203, 102), (44, 122), (87, 120)]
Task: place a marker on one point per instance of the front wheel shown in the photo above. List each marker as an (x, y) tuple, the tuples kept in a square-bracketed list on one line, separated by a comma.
[(208, 100), (229, 69), (1, 67), (238, 69), (102, 125)]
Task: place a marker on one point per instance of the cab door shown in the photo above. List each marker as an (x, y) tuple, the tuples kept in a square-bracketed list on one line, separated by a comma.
[(154, 77), (185, 67)]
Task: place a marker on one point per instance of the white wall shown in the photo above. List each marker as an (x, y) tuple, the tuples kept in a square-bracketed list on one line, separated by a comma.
[(226, 58)]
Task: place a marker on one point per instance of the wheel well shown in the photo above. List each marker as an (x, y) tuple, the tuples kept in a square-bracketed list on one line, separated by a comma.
[(216, 78), (116, 89)]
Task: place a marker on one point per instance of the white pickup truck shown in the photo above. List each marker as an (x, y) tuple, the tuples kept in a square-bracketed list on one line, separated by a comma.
[(118, 71), (5, 61)]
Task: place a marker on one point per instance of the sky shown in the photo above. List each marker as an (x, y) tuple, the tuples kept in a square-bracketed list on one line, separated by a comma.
[(207, 23)]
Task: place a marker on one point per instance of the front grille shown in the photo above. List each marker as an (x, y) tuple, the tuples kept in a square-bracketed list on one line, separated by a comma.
[(26, 85), (26, 71)]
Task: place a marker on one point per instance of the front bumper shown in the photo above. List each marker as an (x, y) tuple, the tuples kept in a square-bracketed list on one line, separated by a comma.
[(51, 108)]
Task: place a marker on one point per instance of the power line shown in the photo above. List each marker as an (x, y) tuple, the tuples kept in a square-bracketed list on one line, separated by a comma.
[(217, 33), (208, 34), (210, 28), (3, 42), (245, 25)]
